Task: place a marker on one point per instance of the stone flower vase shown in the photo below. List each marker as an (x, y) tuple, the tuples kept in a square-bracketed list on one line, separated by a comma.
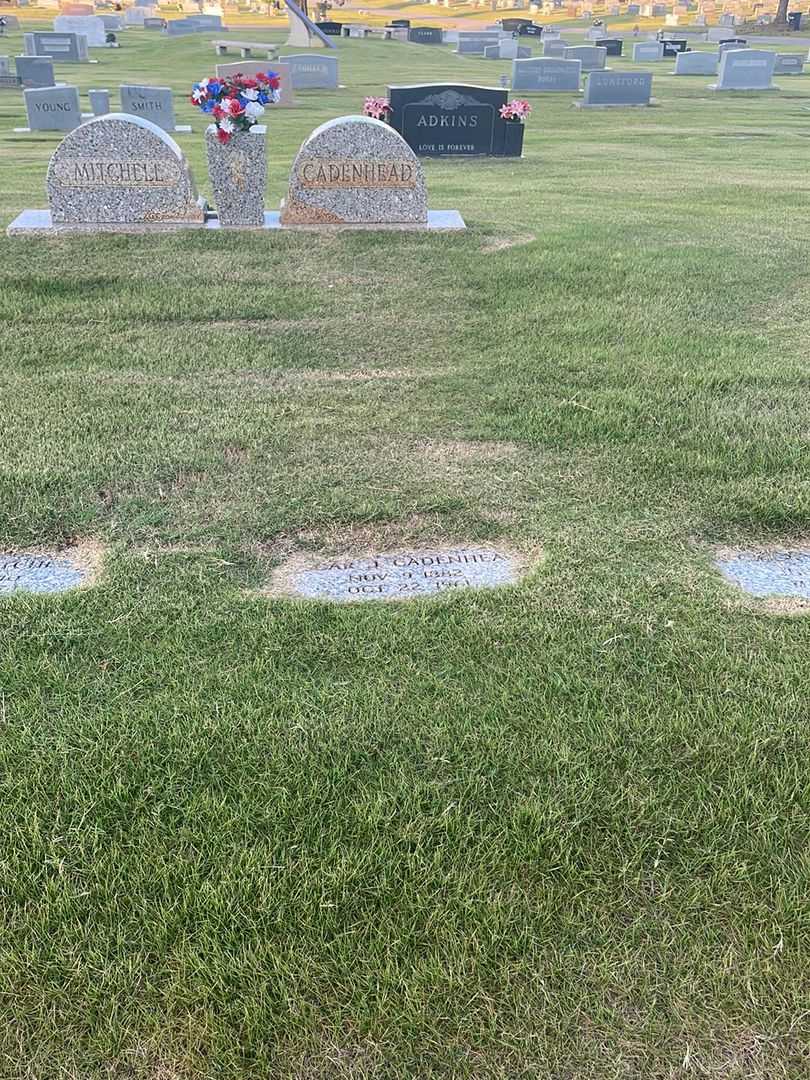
[(238, 174)]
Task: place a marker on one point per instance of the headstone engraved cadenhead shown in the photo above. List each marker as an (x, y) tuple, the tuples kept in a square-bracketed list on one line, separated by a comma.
[(607, 89), (287, 99), (52, 108), (359, 171), (452, 119), (155, 103), (26, 572), (115, 173), (35, 72), (91, 26), (591, 57), (308, 72), (648, 52), (696, 63), (745, 69), (768, 573), (789, 64), (399, 575), (425, 35), (546, 75), (62, 48)]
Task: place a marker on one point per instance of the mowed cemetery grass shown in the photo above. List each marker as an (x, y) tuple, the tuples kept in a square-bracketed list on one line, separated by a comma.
[(552, 830)]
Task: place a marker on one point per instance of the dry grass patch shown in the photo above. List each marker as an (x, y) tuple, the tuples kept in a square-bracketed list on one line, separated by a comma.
[(503, 243)]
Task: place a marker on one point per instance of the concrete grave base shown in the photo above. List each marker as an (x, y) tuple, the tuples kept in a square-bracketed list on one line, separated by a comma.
[(38, 223), (653, 103), (740, 90), (180, 129)]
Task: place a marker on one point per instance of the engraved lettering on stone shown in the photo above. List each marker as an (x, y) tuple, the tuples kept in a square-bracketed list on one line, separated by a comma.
[(356, 173), (100, 173)]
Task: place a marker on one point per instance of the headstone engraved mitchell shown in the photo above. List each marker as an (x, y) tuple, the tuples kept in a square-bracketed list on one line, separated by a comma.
[(115, 173)]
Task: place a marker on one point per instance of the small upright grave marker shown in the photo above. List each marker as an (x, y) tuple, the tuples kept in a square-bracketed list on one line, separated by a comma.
[(155, 103)]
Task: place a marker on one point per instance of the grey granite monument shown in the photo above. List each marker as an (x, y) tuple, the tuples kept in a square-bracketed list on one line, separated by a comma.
[(591, 57), (647, 52), (789, 64), (745, 69), (64, 48), (308, 72), (613, 89), (696, 63), (35, 71), (155, 103), (52, 108), (546, 75), (91, 26)]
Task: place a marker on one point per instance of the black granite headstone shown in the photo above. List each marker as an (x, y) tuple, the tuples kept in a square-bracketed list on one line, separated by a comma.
[(425, 35), (531, 30), (613, 45), (446, 119), (673, 47), (400, 23), (331, 29)]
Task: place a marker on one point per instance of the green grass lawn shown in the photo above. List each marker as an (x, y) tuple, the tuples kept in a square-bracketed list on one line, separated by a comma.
[(558, 830)]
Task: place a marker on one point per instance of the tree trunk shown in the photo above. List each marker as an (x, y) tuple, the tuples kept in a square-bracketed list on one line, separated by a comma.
[(781, 13)]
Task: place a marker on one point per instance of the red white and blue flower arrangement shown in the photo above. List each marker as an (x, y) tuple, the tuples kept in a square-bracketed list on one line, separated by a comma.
[(236, 103)]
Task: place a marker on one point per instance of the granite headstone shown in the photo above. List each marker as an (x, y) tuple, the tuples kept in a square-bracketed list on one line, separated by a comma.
[(546, 75), (438, 120), (121, 170), (53, 108), (425, 35), (591, 57), (155, 103), (91, 26), (311, 72), (745, 69), (355, 170), (35, 71), (605, 89), (696, 63)]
